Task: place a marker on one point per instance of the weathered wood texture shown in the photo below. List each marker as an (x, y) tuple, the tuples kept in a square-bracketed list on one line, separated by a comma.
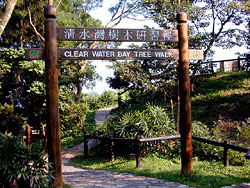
[(185, 99), (113, 34), (52, 96)]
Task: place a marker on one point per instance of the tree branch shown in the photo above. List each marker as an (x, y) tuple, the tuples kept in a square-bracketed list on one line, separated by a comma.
[(6, 14), (34, 28)]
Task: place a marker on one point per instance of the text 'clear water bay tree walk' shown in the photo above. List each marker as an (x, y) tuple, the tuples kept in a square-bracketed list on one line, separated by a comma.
[(51, 54)]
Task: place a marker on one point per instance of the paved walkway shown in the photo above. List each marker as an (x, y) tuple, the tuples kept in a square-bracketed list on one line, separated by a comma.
[(88, 178)]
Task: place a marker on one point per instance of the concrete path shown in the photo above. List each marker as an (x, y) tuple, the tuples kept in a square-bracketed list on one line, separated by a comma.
[(88, 178), (102, 114)]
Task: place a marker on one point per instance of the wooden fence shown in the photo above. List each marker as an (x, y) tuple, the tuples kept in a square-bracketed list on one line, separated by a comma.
[(137, 142)]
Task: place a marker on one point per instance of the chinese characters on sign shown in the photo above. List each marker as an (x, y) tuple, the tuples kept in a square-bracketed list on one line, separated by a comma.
[(111, 34)]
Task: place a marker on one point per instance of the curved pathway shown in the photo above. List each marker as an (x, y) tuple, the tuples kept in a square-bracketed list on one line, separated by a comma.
[(88, 178)]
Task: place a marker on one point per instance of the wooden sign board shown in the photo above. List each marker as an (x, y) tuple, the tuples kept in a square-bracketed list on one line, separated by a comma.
[(113, 54), (113, 34)]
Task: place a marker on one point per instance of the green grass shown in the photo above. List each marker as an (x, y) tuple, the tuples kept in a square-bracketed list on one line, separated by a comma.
[(206, 174), (225, 95)]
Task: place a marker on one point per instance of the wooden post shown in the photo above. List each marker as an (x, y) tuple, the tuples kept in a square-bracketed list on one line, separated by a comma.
[(86, 146), (226, 154), (185, 101), (112, 144), (138, 152), (28, 136), (52, 96)]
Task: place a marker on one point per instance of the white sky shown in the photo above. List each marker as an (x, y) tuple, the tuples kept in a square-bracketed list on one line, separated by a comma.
[(101, 66)]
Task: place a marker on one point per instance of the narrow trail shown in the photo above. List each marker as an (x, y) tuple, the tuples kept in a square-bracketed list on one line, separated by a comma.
[(88, 178)]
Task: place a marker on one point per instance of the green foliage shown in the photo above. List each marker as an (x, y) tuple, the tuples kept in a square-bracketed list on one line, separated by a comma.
[(72, 114), (202, 150), (11, 123), (27, 166), (237, 132), (22, 85), (106, 99), (151, 122)]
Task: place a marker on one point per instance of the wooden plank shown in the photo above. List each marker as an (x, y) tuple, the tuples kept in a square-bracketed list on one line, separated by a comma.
[(160, 138), (111, 54), (115, 34), (216, 143)]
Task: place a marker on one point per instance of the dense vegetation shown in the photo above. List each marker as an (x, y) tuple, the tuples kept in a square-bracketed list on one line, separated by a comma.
[(152, 85), (150, 120)]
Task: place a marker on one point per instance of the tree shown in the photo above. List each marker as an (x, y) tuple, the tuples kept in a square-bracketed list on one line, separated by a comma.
[(221, 23), (9, 6)]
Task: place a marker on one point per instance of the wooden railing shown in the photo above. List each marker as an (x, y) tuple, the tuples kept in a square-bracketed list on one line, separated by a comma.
[(138, 149)]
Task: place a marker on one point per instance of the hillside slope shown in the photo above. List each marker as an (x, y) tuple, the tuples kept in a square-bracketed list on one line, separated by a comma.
[(224, 96)]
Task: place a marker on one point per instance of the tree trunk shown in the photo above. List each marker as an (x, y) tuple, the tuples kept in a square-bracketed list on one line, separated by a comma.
[(80, 84), (6, 14), (172, 108)]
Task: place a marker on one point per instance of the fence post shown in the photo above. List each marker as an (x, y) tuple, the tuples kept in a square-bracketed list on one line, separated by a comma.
[(112, 144), (138, 152), (226, 154), (86, 146)]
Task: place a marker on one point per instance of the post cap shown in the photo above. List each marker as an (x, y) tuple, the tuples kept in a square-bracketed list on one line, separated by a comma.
[(50, 11), (182, 17)]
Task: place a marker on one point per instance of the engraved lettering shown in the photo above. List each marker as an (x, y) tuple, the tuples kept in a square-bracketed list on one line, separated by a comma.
[(123, 53), (128, 35), (69, 33), (167, 35), (141, 35), (155, 35), (113, 34), (99, 34), (84, 34), (163, 54), (143, 54)]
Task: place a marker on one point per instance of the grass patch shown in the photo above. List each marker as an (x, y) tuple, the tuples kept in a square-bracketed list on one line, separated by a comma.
[(206, 174), (225, 95)]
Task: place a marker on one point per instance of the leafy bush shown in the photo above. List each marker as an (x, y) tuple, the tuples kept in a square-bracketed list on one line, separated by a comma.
[(236, 132), (202, 150), (108, 98), (9, 122), (151, 122), (94, 102), (27, 167), (210, 152)]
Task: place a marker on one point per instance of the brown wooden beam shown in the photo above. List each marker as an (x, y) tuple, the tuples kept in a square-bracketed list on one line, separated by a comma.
[(52, 96), (185, 101), (110, 54)]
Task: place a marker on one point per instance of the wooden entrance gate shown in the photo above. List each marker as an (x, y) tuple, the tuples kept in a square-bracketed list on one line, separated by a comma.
[(51, 55)]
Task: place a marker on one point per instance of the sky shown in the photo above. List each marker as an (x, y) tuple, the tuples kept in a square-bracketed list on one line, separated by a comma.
[(101, 66)]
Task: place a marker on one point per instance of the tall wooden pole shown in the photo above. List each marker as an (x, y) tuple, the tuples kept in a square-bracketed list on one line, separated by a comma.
[(185, 100), (52, 96)]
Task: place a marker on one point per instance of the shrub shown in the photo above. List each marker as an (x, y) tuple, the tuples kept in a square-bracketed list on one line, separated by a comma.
[(151, 122), (27, 167), (9, 122), (237, 132), (202, 150)]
